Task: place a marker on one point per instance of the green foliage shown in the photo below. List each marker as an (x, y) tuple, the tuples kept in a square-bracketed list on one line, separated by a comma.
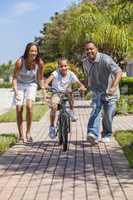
[(125, 139), (6, 70), (126, 85), (49, 68), (108, 23), (5, 85), (125, 105), (6, 141)]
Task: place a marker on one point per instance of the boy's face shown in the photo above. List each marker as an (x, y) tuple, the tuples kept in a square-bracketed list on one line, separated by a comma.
[(63, 67)]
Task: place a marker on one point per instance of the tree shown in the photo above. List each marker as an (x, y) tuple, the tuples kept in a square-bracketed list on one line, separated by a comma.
[(109, 23), (6, 70)]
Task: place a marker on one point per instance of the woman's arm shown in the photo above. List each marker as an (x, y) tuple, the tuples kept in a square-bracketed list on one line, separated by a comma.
[(17, 68), (40, 74)]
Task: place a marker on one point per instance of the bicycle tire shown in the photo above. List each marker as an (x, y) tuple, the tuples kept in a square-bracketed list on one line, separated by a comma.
[(60, 140), (65, 131)]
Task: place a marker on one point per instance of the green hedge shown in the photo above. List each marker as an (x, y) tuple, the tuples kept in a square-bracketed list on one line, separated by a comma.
[(5, 85), (126, 85), (125, 105)]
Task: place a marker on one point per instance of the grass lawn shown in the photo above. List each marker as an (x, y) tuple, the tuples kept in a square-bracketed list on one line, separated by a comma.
[(125, 139), (38, 112), (6, 141)]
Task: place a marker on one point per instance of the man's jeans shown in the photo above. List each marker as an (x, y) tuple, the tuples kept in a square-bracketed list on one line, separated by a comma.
[(105, 108)]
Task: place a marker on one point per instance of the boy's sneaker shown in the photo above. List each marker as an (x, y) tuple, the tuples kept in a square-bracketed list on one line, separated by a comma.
[(52, 132), (92, 138), (106, 139), (72, 116)]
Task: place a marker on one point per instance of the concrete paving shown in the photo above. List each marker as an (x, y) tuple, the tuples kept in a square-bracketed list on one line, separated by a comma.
[(6, 99), (42, 171)]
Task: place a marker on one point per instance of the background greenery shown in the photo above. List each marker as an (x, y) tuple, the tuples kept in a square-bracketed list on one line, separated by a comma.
[(6, 141), (125, 139), (38, 111)]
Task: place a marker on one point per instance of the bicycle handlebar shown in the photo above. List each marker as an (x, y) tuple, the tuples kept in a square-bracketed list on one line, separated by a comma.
[(67, 91)]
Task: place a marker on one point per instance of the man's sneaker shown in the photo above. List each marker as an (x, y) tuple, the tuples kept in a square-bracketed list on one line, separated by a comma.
[(52, 132), (106, 139), (92, 138), (72, 116)]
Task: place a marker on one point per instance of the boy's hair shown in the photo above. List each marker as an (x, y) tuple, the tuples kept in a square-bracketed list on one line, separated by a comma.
[(62, 59)]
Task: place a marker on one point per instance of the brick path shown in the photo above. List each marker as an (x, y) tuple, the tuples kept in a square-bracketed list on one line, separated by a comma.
[(41, 171)]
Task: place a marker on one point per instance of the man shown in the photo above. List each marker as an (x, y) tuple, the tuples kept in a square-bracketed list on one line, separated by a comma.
[(103, 76), (61, 79)]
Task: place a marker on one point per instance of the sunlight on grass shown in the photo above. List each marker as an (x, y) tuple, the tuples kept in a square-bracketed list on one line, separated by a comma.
[(38, 111), (6, 141), (125, 139)]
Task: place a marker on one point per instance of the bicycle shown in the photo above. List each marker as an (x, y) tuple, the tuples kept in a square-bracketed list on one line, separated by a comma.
[(63, 125)]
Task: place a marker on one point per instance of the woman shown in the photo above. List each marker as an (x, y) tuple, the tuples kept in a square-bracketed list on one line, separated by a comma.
[(28, 71)]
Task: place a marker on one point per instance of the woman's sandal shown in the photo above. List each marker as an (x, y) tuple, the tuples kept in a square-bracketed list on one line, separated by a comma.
[(25, 141), (29, 139)]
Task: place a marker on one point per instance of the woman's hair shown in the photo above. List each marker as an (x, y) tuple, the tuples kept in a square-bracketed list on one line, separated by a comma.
[(27, 49)]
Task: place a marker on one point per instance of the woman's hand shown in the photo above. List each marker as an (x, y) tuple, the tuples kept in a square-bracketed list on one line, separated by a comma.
[(17, 96)]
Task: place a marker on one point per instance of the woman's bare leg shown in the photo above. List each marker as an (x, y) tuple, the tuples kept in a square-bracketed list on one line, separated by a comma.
[(28, 117), (19, 115)]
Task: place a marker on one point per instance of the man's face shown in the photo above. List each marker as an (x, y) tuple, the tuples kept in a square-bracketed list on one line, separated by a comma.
[(63, 67), (91, 51)]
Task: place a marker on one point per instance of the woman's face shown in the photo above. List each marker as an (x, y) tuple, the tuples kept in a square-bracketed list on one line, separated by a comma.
[(33, 52)]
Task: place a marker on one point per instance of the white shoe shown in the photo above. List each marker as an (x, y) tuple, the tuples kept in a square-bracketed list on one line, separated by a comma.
[(72, 116), (105, 139), (52, 132), (91, 138)]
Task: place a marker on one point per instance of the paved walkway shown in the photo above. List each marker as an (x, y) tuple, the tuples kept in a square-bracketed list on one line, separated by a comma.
[(42, 171)]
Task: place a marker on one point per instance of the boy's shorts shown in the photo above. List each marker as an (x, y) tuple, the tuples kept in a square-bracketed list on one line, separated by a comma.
[(55, 99), (25, 92)]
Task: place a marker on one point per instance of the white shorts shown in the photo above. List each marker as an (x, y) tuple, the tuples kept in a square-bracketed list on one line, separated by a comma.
[(25, 92)]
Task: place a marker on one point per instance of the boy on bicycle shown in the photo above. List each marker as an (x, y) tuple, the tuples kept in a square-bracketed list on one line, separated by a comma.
[(61, 79)]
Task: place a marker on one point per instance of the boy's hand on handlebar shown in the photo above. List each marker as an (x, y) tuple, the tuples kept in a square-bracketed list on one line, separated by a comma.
[(82, 88), (46, 86)]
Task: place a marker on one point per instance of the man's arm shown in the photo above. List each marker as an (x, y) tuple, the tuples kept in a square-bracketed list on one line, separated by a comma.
[(115, 83)]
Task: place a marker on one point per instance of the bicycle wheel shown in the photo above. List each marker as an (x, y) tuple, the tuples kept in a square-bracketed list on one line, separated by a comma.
[(59, 132), (65, 130)]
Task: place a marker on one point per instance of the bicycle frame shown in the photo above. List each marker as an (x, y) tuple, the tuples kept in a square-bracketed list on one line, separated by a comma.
[(63, 122)]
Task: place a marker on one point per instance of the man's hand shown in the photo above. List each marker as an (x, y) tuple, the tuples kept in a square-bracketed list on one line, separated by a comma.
[(111, 91)]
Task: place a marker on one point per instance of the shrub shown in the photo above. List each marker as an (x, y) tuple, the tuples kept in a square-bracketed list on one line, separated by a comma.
[(5, 85), (126, 85), (125, 104), (49, 68)]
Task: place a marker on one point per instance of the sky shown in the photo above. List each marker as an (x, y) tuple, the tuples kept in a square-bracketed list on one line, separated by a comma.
[(22, 20)]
